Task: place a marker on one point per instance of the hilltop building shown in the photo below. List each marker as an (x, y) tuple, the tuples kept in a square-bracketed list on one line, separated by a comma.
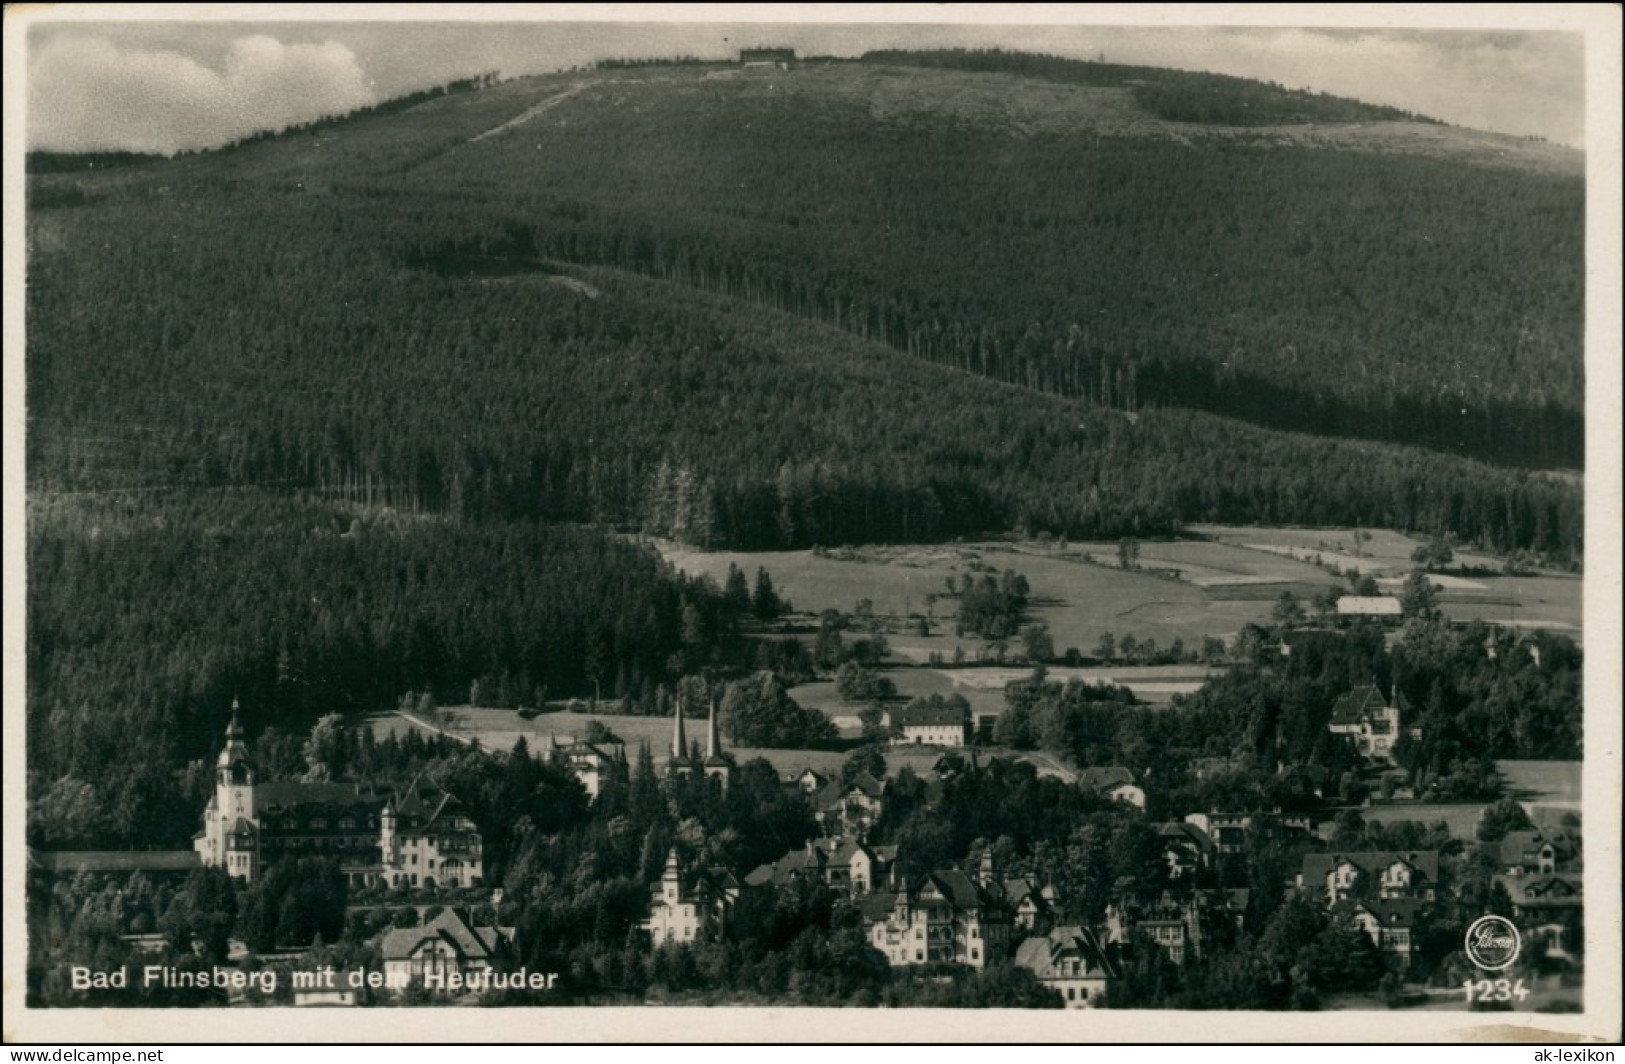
[(417, 835), (767, 59)]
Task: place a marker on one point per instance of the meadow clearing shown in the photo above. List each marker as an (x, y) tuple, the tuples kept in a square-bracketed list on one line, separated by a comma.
[(1183, 589)]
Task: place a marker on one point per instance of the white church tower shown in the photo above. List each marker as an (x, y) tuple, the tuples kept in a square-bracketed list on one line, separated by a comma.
[(230, 836)]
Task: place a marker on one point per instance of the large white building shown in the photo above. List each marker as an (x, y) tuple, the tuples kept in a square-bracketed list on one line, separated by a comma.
[(681, 909), (923, 725), (944, 917), (417, 835)]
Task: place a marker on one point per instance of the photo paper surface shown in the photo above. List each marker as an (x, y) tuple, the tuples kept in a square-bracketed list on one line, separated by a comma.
[(1031, 520)]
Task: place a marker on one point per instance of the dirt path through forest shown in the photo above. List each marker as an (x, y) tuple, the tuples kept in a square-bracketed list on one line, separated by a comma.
[(541, 108)]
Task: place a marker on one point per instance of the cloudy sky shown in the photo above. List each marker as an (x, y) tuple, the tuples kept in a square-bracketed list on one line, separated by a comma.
[(179, 83)]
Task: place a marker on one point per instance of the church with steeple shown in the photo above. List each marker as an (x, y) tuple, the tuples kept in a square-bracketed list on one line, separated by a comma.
[(417, 835), (684, 763)]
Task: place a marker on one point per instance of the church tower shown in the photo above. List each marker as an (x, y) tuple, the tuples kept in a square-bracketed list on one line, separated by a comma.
[(234, 773), (230, 833), (717, 766), (680, 764)]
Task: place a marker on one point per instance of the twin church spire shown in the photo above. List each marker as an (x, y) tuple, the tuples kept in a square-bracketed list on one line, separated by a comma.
[(714, 764)]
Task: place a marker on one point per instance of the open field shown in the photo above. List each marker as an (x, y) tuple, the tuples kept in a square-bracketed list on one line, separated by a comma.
[(1548, 789), (1150, 683), (1552, 602), (1209, 564), (896, 579), (1383, 551), (1548, 784), (1222, 584), (1078, 600)]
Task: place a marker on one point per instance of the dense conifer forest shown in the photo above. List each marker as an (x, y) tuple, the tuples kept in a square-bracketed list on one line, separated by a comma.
[(348, 411)]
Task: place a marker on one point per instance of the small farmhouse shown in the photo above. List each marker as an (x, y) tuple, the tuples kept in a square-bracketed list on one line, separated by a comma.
[(924, 725)]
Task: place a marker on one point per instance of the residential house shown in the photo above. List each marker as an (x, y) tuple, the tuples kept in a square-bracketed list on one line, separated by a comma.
[(809, 782), (1174, 924), (1229, 831), (850, 809), (1177, 923), (840, 863), (943, 917), (1382, 874), (1069, 960), (1032, 908), (680, 908), (1371, 721), (1186, 848), (591, 763), (928, 725), (443, 952), (1537, 898), (1538, 852), (1114, 782), (1390, 923)]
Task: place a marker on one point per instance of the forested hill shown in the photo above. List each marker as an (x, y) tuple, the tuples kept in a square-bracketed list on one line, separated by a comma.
[(435, 305), (1322, 267)]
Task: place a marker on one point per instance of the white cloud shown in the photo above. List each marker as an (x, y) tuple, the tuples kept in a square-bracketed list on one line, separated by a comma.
[(91, 94)]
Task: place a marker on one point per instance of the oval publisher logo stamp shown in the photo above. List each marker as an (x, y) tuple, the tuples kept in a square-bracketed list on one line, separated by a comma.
[(1493, 943)]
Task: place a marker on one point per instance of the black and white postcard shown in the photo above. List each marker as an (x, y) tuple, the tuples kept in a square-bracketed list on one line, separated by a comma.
[(1047, 515)]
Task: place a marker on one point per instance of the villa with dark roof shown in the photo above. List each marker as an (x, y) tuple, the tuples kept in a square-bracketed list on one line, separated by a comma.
[(841, 864), (1389, 922), (1372, 721), (416, 835), (943, 917), (443, 952), (1376, 874), (850, 809), (1114, 782), (1069, 960)]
